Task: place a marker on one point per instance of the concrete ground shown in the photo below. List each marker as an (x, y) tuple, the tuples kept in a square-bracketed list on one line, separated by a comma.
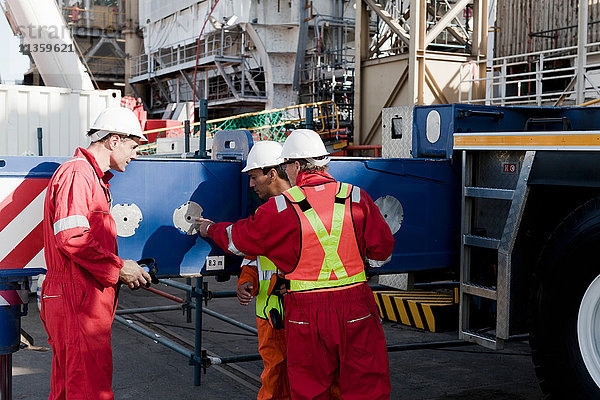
[(145, 369)]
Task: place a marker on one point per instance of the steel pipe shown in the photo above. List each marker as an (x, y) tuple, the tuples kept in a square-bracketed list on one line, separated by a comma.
[(142, 310), (198, 338), (164, 294), (157, 338), (231, 321), (233, 359), (219, 295), (177, 285), (428, 345)]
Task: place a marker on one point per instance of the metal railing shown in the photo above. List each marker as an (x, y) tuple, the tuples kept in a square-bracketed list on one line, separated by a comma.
[(229, 72), (539, 78), (221, 43), (106, 65), (96, 17)]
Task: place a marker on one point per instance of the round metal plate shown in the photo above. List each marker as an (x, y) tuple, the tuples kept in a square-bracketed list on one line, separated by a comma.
[(392, 212), (127, 217), (184, 217)]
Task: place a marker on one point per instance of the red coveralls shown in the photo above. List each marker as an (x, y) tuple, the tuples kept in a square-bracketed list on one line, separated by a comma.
[(79, 294), (327, 332)]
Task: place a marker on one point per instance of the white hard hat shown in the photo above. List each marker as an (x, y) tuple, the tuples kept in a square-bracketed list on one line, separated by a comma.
[(264, 154), (119, 120), (307, 144)]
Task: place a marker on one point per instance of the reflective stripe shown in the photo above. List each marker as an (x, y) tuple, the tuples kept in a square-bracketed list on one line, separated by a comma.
[(265, 275), (343, 191), (248, 261), (73, 221), (280, 203), (296, 194), (265, 302), (356, 194), (299, 286), (231, 247), (264, 264), (378, 264), (330, 242)]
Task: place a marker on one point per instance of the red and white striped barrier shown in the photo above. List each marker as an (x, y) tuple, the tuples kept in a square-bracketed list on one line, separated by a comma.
[(13, 297), (21, 214)]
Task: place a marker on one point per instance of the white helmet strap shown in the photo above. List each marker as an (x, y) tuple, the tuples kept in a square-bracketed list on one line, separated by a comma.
[(319, 163), (97, 135)]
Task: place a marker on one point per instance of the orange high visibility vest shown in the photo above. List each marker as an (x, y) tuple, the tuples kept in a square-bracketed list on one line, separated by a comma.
[(329, 256)]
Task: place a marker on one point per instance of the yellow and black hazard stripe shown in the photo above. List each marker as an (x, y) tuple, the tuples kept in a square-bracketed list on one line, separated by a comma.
[(429, 311)]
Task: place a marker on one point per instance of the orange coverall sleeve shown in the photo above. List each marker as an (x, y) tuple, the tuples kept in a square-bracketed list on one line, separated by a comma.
[(249, 273)]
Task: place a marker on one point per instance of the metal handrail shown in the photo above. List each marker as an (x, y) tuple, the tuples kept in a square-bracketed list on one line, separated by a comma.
[(183, 51), (530, 85), (96, 17)]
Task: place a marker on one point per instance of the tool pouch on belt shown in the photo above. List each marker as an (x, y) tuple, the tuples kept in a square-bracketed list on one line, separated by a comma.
[(277, 281), (275, 317)]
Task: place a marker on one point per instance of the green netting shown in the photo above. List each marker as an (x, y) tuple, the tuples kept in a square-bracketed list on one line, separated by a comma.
[(266, 125)]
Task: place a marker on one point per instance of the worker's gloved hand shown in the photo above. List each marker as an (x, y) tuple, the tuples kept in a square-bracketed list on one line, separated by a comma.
[(203, 225), (133, 275), (244, 293)]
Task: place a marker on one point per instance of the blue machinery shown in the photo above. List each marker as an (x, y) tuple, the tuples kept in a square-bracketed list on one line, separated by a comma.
[(156, 200), (214, 189)]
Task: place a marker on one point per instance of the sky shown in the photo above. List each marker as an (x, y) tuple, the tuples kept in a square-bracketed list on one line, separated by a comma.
[(13, 64)]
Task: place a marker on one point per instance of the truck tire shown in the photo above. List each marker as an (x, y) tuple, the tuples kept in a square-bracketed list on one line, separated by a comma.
[(565, 308)]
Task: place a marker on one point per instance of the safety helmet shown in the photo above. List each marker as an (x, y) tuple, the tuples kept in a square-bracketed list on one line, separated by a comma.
[(264, 154), (306, 144), (119, 120)]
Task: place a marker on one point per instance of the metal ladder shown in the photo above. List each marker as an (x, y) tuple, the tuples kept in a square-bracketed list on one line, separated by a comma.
[(500, 292)]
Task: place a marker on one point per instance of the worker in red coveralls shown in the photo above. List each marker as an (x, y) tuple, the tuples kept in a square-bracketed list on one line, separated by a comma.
[(320, 234), (79, 294), (267, 179)]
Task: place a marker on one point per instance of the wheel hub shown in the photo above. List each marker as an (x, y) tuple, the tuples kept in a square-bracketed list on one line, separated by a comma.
[(588, 329)]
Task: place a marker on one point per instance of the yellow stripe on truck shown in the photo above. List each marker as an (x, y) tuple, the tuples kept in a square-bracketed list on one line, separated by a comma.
[(465, 141)]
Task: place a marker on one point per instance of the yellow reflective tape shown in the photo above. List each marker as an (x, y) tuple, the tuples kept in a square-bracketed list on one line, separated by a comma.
[(329, 242), (296, 194), (298, 286), (264, 264), (343, 192)]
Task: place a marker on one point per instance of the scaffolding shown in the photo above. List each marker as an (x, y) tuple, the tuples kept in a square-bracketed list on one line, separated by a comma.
[(329, 76), (392, 16), (97, 28), (227, 75)]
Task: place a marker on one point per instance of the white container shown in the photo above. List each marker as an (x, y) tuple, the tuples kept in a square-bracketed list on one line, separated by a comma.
[(64, 115), (176, 145)]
